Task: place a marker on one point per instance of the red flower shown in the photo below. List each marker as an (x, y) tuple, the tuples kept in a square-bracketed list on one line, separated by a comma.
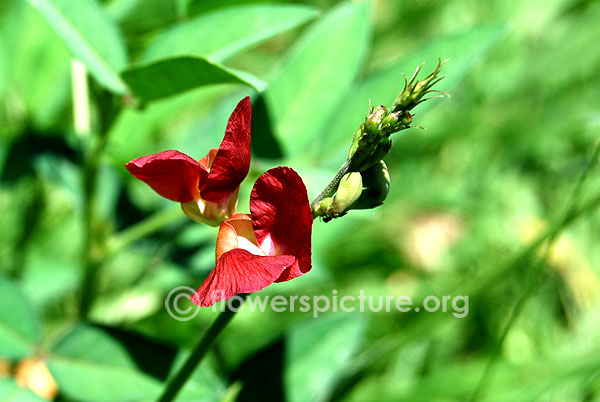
[(207, 189), (272, 244)]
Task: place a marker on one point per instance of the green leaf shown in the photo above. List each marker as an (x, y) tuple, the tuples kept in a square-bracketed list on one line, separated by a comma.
[(101, 363), (37, 57), (19, 328), (319, 70), (90, 35), (383, 86), (139, 16), (11, 392), (89, 364), (160, 126), (317, 352), (170, 77), (222, 33)]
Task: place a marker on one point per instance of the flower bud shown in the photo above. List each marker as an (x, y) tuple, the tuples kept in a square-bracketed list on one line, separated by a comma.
[(348, 191), (376, 182), (406, 119), (325, 207), (388, 122), (415, 90), (374, 119)]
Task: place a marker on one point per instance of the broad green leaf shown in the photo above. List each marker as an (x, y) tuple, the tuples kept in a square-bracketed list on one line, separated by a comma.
[(159, 125), (11, 392), (90, 35), (50, 279), (84, 380), (61, 174), (383, 86), (89, 364), (105, 363), (4, 70), (319, 70), (317, 351), (172, 76), (140, 16), (197, 7), (39, 68), (51, 267), (19, 331), (222, 33)]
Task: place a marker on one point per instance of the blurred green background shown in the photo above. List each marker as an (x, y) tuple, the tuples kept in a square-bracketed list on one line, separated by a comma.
[(495, 200)]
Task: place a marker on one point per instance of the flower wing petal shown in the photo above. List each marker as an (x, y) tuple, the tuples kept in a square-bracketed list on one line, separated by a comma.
[(172, 174), (239, 271), (232, 162), (281, 215)]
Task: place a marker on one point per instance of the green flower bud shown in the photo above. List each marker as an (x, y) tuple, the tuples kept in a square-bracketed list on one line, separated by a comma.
[(373, 121), (325, 207), (406, 119), (376, 182), (348, 191), (389, 122), (415, 90)]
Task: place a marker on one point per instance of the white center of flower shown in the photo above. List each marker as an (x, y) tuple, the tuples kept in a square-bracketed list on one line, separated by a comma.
[(247, 245)]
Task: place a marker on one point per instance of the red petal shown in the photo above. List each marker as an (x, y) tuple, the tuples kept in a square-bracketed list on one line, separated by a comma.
[(281, 212), (172, 174), (238, 271), (232, 162)]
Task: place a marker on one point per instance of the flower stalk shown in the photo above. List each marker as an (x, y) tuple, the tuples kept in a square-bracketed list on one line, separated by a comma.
[(93, 146), (177, 382), (372, 142)]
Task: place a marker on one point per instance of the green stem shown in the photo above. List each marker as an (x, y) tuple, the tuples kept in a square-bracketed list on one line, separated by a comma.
[(330, 189), (93, 142), (91, 151), (91, 256), (176, 383)]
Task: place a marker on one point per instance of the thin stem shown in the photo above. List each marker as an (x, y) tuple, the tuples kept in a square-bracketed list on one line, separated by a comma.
[(91, 150), (330, 189), (93, 138), (80, 94), (92, 247), (176, 383)]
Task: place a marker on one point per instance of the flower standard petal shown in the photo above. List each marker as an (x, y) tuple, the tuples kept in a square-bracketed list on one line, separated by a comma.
[(239, 271), (232, 161), (172, 174), (282, 219)]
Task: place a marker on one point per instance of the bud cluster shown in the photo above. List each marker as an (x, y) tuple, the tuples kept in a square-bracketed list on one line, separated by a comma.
[(414, 92), (363, 181)]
